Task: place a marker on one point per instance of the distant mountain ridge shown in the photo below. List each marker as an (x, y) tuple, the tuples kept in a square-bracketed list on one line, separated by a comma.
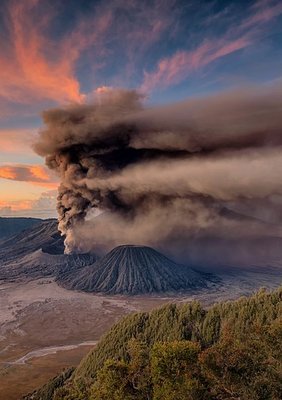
[(10, 226)]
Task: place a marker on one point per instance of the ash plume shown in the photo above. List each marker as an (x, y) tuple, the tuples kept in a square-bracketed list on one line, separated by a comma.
[(165, 174)]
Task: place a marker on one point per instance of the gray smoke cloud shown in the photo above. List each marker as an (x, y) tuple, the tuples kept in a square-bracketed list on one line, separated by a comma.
[(166, 176)]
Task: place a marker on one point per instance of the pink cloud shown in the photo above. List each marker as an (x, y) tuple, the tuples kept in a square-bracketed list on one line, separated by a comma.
[(265, 11), (173, 70), (180, 65), (17, 141)]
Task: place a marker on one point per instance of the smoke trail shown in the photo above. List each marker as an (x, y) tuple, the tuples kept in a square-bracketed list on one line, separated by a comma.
[(165, 172)]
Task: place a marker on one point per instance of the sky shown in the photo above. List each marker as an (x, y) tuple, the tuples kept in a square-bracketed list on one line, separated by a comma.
[(55, 52)]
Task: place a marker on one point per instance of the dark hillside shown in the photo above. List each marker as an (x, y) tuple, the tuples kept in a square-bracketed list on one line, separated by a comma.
[(10, 226)]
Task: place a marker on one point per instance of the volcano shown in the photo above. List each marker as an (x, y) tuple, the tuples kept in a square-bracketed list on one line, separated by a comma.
[(38, 252), (44, 236), (131, 269)]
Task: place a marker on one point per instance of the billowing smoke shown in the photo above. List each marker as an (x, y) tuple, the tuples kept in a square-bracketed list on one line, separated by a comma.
[(165, 176)]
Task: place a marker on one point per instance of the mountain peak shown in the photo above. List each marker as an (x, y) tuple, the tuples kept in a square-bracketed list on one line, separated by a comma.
[(135, 269)]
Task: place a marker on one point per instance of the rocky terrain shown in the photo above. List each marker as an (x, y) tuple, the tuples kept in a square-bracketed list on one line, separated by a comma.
[(39, 264)]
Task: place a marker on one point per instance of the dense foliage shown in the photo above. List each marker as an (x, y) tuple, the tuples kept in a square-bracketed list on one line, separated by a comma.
[(230, 351)]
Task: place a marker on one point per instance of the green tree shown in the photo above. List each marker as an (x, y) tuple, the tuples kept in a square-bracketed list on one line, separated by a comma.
[(243, 366), (125, 380), (112, 382), (139, 369), (175, 373)]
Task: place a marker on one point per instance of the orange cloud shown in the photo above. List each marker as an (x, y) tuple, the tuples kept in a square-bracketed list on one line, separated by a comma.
[(35, 67), (28, 72), (7, 173), (44, 206), (39, 173), (15, 205), (35, 174)]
